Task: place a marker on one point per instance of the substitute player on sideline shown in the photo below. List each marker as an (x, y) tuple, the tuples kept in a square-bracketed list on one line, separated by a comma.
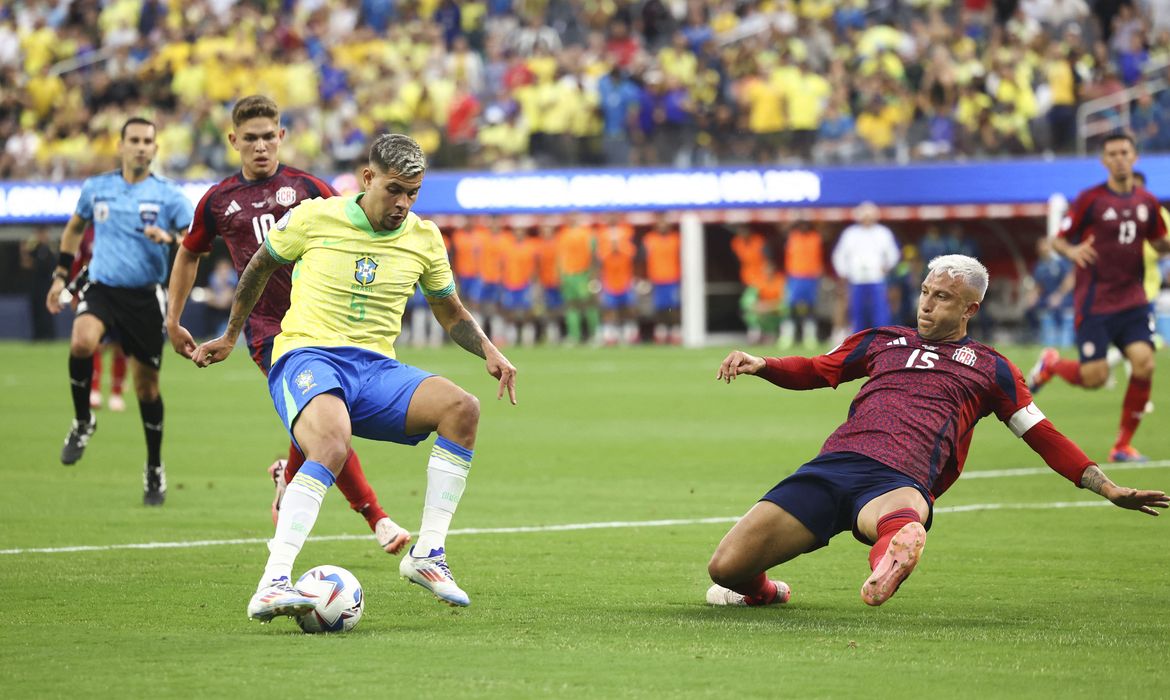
[(334, 374), (242, 209), (1104, 234), (136, 215), (902, 446)]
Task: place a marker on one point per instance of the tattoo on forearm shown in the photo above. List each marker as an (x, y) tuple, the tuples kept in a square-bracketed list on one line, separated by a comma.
[(468, 335), (1094, 479), (248, 291)]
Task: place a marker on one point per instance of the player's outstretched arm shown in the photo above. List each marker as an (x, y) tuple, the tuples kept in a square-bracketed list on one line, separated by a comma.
[(461, 326), (1123, 497), (737, 363), (182, 280), (248, 291)]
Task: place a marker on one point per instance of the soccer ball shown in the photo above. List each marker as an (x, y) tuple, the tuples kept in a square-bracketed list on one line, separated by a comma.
[(339, 599)]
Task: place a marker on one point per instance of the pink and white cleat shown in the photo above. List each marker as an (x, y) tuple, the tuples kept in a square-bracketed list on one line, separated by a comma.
[(718, 595), (276, 471), (391, 536), (896, 564)]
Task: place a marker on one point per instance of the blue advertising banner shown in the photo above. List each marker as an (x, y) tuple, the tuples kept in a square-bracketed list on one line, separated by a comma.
[(1007, 182)]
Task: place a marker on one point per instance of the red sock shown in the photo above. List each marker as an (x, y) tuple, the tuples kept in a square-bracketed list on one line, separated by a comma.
[(293, 465), (1069, 371), (1132, 409), (95, 381), (888, 526), (353, 485), (119, 372), (758, 591)]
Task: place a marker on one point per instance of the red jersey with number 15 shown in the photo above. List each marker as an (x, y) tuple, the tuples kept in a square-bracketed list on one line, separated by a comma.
[(242, 212), (1119, 224)]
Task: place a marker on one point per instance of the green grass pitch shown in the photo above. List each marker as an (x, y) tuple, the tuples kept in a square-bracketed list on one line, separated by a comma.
[(1038, 601)]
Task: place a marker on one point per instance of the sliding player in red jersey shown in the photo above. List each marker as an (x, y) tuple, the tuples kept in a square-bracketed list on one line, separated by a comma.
[(902, 446), (1104, 234), (241, 210)]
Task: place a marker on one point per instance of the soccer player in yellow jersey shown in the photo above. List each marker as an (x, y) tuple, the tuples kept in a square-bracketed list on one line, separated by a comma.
[(334, 374)]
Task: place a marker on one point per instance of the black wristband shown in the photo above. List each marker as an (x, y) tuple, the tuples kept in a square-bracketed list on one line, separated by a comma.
[(65, 260)]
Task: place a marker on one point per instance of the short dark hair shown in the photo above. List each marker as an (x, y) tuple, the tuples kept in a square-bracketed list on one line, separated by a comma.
[(1139, 176), (137, 120), (1120, 136), (398, 153), (254, 106)]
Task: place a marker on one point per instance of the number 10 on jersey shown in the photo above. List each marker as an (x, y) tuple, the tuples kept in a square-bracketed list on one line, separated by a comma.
[(261, 225)]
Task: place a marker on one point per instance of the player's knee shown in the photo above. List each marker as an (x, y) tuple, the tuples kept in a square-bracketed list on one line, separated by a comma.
[(1094, 378), (464, 410), (1143, 367), (331, 452), (146, 393)]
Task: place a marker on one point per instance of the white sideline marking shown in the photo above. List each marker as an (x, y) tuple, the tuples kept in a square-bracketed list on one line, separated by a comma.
[(1032, 471), (532, 528)]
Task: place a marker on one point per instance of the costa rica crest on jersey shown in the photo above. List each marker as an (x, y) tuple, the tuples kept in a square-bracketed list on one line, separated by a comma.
[(364, 270), (286, 196), (965, 355)]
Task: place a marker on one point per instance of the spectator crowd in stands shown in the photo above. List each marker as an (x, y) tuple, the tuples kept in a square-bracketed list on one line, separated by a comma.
[(512, 84)]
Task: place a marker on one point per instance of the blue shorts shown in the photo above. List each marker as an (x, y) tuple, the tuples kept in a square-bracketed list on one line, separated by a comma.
[(667, 296), (553, 298), (1097, 332), (802, 291), (470, 288), (826, 494), (376, 389), (623, 300), (516, 299), (489, 293)]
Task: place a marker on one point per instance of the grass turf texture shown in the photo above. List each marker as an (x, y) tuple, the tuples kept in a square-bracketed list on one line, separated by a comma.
[(1040, 603)]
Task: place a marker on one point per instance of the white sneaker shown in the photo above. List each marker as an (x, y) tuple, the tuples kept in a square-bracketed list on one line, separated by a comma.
[(278, 598), (431, 572), (95, 399), (391, 536), (718, 595), (116, 403)]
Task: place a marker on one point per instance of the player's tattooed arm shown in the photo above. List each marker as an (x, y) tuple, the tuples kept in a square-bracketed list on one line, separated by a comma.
[(250, 287), (1095, 480), (1143, 501), (468, 335)]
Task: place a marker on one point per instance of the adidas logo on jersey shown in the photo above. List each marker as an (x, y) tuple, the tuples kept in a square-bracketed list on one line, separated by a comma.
[(897, 341), (233, 208), (1110, 215)]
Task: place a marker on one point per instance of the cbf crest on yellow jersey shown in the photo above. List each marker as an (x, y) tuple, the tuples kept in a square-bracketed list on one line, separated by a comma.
[(350, 282)]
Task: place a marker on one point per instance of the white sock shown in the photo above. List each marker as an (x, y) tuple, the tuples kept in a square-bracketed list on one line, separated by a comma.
[(446, 478), (298, 512)]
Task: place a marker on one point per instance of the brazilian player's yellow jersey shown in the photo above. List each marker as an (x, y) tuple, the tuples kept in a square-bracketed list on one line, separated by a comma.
[(351, 283), (1153, 280)]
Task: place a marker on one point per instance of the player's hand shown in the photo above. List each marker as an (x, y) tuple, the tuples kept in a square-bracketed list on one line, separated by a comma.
[(158, 235), (1144, 501), (1083, 254), (53, 300), (499, 367), (213, 351), (181, 340), (737, 363)]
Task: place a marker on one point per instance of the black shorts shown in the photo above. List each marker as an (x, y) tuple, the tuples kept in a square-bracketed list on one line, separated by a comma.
[(828, 493), (135, 316), (1096, 332)]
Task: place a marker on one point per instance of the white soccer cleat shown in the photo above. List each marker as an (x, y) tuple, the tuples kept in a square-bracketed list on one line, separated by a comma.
[(278, 598), (391, 536), (116, 403), (718, 595), (431, 572), (95, 399)]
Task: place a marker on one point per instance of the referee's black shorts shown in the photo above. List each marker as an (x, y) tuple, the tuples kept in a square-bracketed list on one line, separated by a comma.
[(135, 315)]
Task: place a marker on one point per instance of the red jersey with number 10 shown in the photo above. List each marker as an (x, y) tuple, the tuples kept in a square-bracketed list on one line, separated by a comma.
[(1119, 224), (242, 212)]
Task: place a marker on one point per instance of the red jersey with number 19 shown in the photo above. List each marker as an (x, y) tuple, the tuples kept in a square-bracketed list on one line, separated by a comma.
[(1119, 224), (242, 212)]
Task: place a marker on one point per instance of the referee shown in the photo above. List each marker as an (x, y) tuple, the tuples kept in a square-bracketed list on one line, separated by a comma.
[(136, 216)]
